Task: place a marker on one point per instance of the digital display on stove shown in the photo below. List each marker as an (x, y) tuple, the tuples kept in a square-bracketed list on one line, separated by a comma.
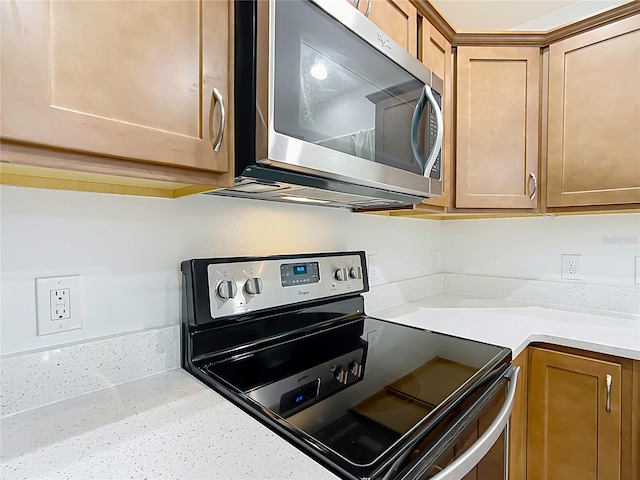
[(299, 274), (299, 269)]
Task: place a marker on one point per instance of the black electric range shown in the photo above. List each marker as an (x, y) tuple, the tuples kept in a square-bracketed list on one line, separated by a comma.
[(286, 338)]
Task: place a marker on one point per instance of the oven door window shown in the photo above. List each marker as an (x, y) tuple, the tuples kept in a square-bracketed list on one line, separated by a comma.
[(333, 89)]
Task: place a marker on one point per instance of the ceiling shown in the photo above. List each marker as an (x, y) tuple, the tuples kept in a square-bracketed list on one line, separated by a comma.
[(519, 15)]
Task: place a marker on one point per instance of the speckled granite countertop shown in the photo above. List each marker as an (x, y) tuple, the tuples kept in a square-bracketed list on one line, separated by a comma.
[(145, 428), (517, 324)]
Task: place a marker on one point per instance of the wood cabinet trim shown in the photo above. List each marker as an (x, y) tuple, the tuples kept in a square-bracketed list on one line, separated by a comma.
[(523, 39), (499, 39), (428, 34), (38, 156), (634, 468), (433, 15), (591, 23)]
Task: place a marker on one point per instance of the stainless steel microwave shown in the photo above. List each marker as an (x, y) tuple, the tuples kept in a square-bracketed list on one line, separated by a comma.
[(329, 110)]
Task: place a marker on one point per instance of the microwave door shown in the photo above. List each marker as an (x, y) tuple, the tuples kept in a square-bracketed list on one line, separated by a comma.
[(340, 105)]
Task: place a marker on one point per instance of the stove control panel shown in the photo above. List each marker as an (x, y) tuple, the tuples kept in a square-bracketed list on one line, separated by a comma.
[(250, 285)]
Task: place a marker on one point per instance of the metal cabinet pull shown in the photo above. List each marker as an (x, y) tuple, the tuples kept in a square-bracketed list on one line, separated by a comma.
[(535, 185), (216, 98), (356, 3), (608, 406), (366, 14)]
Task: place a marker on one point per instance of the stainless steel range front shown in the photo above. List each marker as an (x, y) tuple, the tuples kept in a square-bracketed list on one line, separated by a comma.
[(286, 339)]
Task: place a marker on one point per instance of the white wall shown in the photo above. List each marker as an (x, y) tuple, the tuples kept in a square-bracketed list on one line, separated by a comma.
[(530, 248), (128, 250)]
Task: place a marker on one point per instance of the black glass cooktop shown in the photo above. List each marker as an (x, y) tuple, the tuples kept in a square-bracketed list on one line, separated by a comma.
[(409, 378)]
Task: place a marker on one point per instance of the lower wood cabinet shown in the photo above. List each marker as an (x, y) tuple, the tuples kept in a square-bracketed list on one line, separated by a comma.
[(582, 417)]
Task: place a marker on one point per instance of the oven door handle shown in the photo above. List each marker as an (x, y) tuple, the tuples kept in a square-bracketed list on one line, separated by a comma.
[(472, 456), (427, 165)]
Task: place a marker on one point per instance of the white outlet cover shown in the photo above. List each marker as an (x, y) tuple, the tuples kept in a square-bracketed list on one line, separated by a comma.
[(44, 286), (372, 269), (638, 270), (571, 268)]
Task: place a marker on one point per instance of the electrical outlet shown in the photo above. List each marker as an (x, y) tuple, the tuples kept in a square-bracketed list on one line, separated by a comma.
[(372, 269), (60, 307), (637, 270), (59, 304), (572, 267), (434, 260)]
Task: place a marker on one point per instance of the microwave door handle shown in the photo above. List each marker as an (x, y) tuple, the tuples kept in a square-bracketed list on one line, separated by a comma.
[(427, 165), (472, 456)]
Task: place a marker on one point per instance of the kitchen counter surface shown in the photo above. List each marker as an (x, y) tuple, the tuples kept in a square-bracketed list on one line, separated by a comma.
[(170, 425), (517, 324)]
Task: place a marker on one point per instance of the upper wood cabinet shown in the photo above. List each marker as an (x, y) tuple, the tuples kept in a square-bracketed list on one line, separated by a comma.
[(435, 52), (497, 127), (575, 417), (135, 80), (594, 117), (397, 18)]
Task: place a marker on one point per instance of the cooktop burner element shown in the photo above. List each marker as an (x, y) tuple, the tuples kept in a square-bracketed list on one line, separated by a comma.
[(286, 338)]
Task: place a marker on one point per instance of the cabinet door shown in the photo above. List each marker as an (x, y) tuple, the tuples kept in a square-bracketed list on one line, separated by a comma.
[(129, 79), (571, 432), (435, 53), (397, 18), (594, 117), (497, 127)]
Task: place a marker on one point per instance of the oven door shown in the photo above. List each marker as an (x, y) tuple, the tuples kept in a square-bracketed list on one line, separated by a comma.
[(472, 445), (346, 102)]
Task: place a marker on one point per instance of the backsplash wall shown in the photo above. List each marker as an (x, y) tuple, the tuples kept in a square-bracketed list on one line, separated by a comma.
[(128, 251), (531, 248)]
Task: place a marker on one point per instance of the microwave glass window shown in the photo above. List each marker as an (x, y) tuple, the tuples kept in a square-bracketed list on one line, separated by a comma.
[(335, 90)]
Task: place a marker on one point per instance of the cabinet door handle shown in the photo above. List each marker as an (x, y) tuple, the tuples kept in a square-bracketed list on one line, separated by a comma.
[(426, 96), (216, 99), (535, 185), (366, 14), (356, 3), (608, 406)]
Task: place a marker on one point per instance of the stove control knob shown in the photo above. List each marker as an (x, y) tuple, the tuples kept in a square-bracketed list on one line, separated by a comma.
[(340, 374), (340, 274), (355, 273), (227, 289), (253, 286), (356, 369)]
